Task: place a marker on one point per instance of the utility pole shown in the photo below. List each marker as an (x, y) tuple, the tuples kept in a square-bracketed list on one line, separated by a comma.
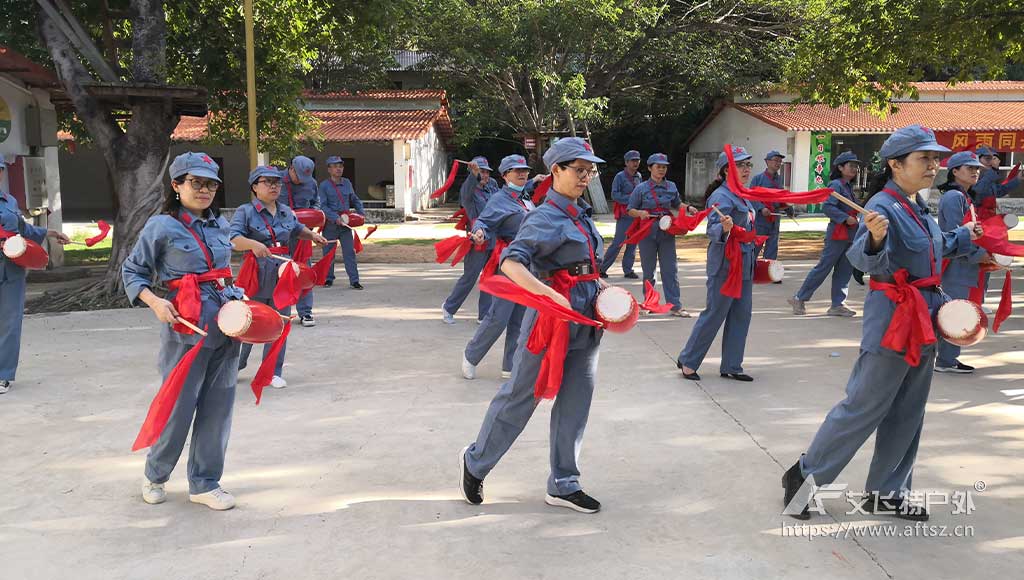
[(250, 82)]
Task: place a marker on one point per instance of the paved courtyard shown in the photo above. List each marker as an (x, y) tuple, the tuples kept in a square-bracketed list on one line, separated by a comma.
[(351, 471)]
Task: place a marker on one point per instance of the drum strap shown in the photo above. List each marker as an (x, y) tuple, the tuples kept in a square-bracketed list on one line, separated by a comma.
[(927, 232), (188, 301), (911, 324), (733, 285)]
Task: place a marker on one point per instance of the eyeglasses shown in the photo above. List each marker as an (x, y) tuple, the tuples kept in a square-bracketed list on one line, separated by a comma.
[(582, 172), (744, 164), (271, 183), (200, 184)]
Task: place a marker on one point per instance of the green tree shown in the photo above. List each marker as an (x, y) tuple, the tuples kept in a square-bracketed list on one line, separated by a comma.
[(197, 43), (856, 52)]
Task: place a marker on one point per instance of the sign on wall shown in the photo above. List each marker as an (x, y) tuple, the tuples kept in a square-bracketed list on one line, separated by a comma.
[(970, 140), (821, 162), (5, 120)]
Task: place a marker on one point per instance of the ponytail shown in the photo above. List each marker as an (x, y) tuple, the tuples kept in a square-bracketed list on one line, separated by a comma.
[(715, 184)]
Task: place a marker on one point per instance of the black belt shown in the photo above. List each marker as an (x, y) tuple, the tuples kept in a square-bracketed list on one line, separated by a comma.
[(577, 269), (276, 245), (891, 280)]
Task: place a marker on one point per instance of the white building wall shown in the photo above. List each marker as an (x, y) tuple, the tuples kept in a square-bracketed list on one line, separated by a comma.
[(801, 161), (421, 166), (737, 128)]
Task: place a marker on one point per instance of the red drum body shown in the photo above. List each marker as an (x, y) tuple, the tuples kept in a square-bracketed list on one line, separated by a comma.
[(352, 220), (667, 225), (310, 217), (617, 309), (769, 271), (962, 322), (249, 321), (304, 274), (999, 262), (1011, 220), (26, 253)]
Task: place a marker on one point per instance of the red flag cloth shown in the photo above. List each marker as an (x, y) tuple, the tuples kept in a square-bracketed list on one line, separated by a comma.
[(249, 275), (1013, 173), (104, 230), (369, 231), (619, 210), (638, 230), (463, 218), (165, 399), (841, 232), (188, 301), (911, 324), (987, 208), (455, 247), (303, 251), (357, 244), (323, 265), (287, 291), (996, 238), (551, 331), (1005, 303), (492, 263), (652, 300), (977, 294), (683, 224), (266, 370), (448, 182), (768, 194), (541, 191), (733, 286)]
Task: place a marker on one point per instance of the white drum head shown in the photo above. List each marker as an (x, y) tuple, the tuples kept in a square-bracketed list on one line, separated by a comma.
[(959, 318), (776, 271), (1011, 220), (614, 304), (665, 222), (14, 247), (1002, 260), (280, 269), (234, 318), (344, 218)]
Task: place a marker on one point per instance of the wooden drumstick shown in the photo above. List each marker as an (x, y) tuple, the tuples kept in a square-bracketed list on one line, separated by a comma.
[(849, 202), (194, 328), (282, 258)]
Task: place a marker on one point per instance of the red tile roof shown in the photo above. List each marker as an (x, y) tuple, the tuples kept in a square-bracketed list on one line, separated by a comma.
[(32, 74), (940, 116), (383, 94), (986, 86)]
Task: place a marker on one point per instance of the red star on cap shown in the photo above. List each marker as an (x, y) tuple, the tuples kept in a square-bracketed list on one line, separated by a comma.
[(206, 159), (588, 147)]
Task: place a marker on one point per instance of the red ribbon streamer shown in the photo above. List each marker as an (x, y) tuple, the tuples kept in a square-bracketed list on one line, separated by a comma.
[(638, 230), (652, 300), (911, 324), (188, 301), (733, 286), (463, 223), (164, 401), (769, 194), (357, 244), (551, 331), (448, 182), (492, 263), (266, 370), (323, 265), (104, 230), (541, 191), (369, 231), (455, 247), (287, 290), (1013, 173)]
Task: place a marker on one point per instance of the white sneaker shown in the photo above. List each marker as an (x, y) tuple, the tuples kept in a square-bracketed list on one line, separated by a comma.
[(506, 374), (5, 386), (153, 493), (217, 499), (446, 316), (840, 310), (798, 306), (278, 383), (468, 369)]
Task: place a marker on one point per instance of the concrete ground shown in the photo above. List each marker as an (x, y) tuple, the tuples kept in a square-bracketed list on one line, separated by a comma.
[(351, 471)]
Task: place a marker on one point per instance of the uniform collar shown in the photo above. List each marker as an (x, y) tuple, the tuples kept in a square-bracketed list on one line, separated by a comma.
[(917, 203), (187, 218), (256, 203), (565, 204), (6, 197)]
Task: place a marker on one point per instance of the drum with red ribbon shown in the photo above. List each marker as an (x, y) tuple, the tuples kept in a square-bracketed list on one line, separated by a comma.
[(311, 217), (962, 322), (617, 309), (352, 220), (1011, 220), (249, 321), (26, 253), (303, 273), (768, 271)]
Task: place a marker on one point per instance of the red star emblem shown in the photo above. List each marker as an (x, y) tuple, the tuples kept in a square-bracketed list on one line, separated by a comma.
[(928, 131), (206, 159)]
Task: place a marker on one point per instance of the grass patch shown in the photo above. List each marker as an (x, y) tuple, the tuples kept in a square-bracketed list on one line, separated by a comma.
[(402, 242), (802, 235), (81, 256)]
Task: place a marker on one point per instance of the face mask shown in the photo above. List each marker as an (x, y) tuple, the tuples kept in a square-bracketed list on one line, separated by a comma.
[(517, 188), (925, 193)]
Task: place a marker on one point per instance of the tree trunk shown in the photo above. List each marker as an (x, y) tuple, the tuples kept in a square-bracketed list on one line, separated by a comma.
[(136, 157)]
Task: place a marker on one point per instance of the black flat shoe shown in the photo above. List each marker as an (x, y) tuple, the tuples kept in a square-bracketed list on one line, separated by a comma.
[(858, 276), (791, 482), (738, 377), (604, 274), (631, 276)]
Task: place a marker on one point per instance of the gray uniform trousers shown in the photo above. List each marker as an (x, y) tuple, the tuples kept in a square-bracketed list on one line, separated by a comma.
[(504, 316), (205, 404), (513, 405)]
